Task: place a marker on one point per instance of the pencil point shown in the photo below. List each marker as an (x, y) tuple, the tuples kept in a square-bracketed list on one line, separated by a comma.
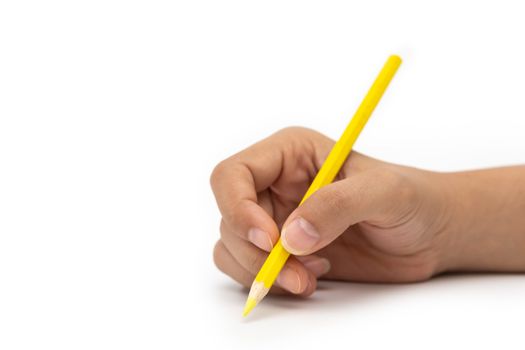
[(257, 293), (250, 304)]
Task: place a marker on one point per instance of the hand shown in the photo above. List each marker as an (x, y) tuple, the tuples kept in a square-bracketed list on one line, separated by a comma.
[(376, 222)]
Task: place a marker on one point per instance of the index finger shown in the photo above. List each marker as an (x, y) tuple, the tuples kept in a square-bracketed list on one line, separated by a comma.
[(237, 180)]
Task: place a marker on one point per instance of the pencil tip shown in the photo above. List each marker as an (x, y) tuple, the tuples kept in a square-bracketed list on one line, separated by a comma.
[(250, 304)]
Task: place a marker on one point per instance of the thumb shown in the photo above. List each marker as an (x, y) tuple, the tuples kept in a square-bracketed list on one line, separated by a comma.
[(328, 212)]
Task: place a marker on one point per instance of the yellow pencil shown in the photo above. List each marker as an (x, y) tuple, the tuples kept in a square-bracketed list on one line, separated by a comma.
[(278, 256)]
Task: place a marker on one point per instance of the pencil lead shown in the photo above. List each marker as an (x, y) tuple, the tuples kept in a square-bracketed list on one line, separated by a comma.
[(250, 304)]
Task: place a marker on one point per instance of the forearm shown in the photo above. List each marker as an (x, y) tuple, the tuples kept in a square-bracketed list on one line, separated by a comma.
[(487, 230)]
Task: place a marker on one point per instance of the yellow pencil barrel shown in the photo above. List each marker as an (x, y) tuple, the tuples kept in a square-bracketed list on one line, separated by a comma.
[(333, 163), (343, 146)]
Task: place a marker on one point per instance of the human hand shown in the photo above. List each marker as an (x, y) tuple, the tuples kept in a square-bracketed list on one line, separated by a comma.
[(377, 222)]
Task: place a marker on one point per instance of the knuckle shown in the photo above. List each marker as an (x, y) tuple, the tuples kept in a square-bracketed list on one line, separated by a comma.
[(217, 171), (222, 229), (295, 133), (218, 250), (291, 130)]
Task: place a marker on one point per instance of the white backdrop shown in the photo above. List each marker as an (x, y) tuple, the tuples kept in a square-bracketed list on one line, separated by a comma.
[(113, 113)]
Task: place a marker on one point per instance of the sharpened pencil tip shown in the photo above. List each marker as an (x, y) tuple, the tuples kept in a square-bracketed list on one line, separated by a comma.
[(250, 304)]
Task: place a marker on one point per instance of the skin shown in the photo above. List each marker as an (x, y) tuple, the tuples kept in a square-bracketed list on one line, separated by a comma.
[(377, 222)]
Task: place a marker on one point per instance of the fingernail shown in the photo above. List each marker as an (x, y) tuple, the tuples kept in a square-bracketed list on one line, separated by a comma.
[(299, 236), (260, 238), (289, 280), (318, 266)]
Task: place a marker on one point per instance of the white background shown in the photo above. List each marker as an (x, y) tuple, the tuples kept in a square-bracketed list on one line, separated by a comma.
[(113, 114)]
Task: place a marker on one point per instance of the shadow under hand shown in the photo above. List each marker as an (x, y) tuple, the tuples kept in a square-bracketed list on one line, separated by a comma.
[(332, 296)]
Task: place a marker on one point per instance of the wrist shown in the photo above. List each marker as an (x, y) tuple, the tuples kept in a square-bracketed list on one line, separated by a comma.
[(485, 230), (456, 228), (447, 213)]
